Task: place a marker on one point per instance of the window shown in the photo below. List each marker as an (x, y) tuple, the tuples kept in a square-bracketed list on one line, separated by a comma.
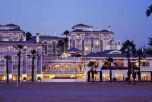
[(145, 64), (5, 39)]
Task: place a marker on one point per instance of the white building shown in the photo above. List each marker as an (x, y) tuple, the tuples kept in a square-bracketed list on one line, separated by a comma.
[(85, 38)]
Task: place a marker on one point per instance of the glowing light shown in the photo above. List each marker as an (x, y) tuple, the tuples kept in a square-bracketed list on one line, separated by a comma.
[(10, 76), (97, 42), (39, 75), (86, 48)]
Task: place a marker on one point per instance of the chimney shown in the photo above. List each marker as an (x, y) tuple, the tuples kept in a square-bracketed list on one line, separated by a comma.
[(37, 37), (109, 28)]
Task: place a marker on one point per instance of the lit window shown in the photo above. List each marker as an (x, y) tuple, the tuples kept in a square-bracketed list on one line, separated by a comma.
[(97, 42), (86, 48), (5, 39)]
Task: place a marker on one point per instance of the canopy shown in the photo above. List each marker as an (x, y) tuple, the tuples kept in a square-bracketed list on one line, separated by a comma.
[(74, 51)]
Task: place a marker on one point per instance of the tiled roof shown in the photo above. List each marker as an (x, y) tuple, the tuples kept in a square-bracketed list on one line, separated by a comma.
[(103, 31), (11, 30), (48, 37), (81, 25), (18, 42), (74, 50), (10, 24), (106, 54)]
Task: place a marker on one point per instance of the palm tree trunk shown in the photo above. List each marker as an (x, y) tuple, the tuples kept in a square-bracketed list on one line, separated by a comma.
[(134, 76), (92, 75), (139, 73), (19, 61), (101, 75), (33, 68), (110, 74), (7, 70), (88, 76), (129, 70)]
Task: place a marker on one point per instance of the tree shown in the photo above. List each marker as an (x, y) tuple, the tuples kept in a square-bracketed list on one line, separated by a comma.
[(19, 47), (129, 50), (7, 57), (34, 55), (110, 60), (150, 42), (61, 45), (148, 51), (28, 36), (66, 33), (149, 11), (140, 55), (93, 65), (66, 43)]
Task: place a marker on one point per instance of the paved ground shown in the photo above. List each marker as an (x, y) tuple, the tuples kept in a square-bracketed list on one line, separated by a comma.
[(79, 92)]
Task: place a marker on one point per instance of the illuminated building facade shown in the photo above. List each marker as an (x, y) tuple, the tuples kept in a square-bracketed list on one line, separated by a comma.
[(50, 66), (85, 38)]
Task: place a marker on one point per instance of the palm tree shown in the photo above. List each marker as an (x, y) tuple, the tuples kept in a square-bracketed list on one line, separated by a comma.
[(93, 65), (140, 56), (19, 47), (34, 55), (28, 35), (149, 11), (110, 60), (66, 33), (7, 57), (61, 45), (150, 42), (129, 49)]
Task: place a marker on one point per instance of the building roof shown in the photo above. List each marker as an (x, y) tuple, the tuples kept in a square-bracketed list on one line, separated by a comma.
[(51, 37), (11, 25), (74, 50), (111, 53), (102, 31), (18, 42), (82, 25)]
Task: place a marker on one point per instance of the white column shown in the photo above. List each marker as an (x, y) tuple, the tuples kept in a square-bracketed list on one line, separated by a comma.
[(101, 63), (69, 43), (75, 43), (125, 63)]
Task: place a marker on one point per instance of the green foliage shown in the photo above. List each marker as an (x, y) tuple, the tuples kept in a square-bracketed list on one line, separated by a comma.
[(66, 33), (148, 51), (91, 64), (149, 11), (128, 48), (7, 57), (33, 52), (66, 43), (28, 35), (61, 45), (150, 42)]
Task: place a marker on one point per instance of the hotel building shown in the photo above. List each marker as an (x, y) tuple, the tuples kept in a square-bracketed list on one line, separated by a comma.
[(52, 66), (85, 38), (10, 36)]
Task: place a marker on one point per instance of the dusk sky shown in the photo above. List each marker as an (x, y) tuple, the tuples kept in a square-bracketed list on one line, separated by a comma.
[(126, 17)]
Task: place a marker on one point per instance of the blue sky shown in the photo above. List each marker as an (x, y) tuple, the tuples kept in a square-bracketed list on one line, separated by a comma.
[(127, 17)]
